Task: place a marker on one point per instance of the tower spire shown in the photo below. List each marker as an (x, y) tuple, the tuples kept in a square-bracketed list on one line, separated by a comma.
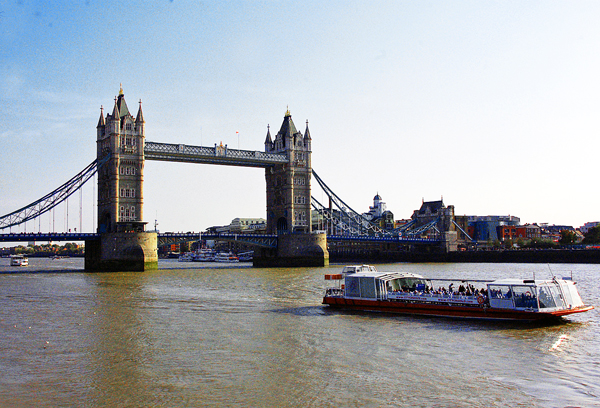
[(140, 116), (307, 132), (115, 113), (268, 140), (101, 121)]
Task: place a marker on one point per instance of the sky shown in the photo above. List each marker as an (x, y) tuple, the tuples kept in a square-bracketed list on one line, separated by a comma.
[(492, 106)]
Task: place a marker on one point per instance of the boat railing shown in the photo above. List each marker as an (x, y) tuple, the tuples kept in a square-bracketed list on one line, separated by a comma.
[(433, 297), (334, 292)]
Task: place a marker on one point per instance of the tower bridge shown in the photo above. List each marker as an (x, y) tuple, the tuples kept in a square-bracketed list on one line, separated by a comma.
[(124, 243), (121, 242)]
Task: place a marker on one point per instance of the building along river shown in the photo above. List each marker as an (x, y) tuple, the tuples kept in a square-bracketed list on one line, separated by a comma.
[(192, 334)]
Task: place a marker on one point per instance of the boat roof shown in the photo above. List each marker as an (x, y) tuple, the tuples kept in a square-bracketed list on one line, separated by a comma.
[(520, 281), (385, 275)]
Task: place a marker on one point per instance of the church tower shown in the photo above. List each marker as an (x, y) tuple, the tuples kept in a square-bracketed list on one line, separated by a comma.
[(120, 180), (288, 185)]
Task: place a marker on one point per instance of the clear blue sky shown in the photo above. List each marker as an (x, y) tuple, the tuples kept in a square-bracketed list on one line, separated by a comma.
[(492, 105)]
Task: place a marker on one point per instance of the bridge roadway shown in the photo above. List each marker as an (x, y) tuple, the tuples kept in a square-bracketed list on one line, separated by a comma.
[(211, 155), (262, 240)]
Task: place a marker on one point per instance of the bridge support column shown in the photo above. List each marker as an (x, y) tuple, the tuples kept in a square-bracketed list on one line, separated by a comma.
[(295, 250), (450, 241), (122, 252)]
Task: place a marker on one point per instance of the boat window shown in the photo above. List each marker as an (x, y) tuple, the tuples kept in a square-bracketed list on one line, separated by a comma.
[(367, 288), (412, 283), (352, 286), (361, 286), (525, 296), (500, 292), (546, 298), (558, 299)]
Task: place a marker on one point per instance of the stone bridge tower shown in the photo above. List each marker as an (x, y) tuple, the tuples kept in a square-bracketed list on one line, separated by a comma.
[(123, 245), (120, 180), (288, 185), (288, 201)]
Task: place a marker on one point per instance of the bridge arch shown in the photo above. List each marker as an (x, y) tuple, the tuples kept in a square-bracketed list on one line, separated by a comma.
[(282, 225)]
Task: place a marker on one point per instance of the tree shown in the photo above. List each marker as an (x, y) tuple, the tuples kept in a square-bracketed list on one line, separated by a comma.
[(538, 243), (567, 237), (592, 236)]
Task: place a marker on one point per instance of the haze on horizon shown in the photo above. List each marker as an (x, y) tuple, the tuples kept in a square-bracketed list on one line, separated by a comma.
[(492, 105)]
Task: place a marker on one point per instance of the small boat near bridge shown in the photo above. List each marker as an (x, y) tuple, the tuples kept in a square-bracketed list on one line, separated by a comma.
[(362, 287), (19, 260)]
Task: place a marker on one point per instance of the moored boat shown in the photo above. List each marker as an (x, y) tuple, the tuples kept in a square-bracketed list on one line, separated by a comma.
[(226, 257), (204, 255), (19, 260), (407, 293), (186, 257), (246, 256)]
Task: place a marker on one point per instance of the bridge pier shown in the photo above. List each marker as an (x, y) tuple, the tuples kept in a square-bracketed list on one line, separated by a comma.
[(296, 249), (122, 252), (449, 241)]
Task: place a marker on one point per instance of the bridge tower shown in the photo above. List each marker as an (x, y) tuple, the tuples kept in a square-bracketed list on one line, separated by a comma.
[(123, 245), (288, 201)]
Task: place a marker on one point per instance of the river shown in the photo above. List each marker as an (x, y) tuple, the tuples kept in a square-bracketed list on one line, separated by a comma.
[(194, 334)]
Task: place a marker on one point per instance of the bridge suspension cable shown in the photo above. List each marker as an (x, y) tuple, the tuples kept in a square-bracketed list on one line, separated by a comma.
[(52, 199), (348, 221), (346, 218)]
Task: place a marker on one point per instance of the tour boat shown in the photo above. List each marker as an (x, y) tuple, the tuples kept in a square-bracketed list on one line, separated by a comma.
[(226, 257), (19, 260), (363, 288)]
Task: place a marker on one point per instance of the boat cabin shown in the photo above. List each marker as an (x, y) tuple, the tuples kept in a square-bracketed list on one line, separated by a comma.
[(348, 269), (377, 285), (549, 295)]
